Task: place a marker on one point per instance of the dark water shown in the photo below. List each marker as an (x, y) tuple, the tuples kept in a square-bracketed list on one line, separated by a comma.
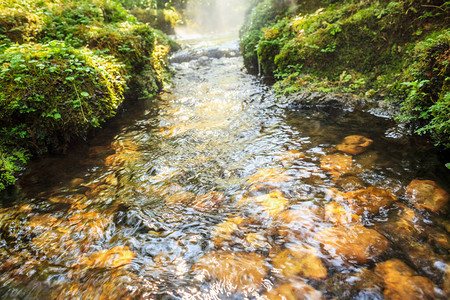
[(198, 195)]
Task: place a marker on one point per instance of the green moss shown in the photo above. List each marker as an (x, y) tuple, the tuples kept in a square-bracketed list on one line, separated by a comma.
[(56, 91)]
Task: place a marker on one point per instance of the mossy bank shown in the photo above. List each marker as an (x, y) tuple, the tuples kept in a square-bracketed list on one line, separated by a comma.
[(393, 50), (66, 66)]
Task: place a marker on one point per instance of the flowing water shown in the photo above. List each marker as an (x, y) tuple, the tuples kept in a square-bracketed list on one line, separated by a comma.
[(213, 190)]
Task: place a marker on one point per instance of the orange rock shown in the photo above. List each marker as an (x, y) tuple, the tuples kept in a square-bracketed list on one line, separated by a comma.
[(180, 197), (239, 271), (297, 290), (116, 257), (337, 164), (350, 183), (427, 194), (353, 242), (370, 199), (223, 231), (273, 203), (402, 283), (336, 214), (300, 260), (208, 201), (291, 155), (299, 223), (268, 175), (354, 144)]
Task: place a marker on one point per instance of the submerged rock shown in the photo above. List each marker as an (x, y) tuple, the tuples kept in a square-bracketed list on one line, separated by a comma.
[(273, 175), (353, 242), (290, 156), (300, 261), (239, 271), (427, 194), (337, 164), (370, 199), (336, 214), (208, 201), (180, 197), (117, 257), (297, 290), (402, 283), (223, 232), (299, 223), (354, 144), (364, 284)]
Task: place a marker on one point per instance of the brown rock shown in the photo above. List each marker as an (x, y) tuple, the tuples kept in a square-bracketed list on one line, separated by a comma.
[(291, 155), (116, 257), (180, 197), (223, 231), (336, 214), (239, 271), (427, 194), (208, 201), (402, 283), (273, 175), (350, 183), (337, 164), (354, 144), (370, 199), (299, 260), (297, 290), (353, 242), (297, 224), (446, 283)]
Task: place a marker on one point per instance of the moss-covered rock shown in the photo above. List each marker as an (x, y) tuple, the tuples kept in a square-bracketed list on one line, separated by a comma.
[(52, 92), (396, 49)]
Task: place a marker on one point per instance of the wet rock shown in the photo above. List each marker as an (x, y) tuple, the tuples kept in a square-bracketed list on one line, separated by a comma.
[(76, 183), (366, 160), (165, 190), (290, 156), (208, 201), (299, 223), (336, 214), (222, 232), (402, 283), (370, 199), (353, 242), (337, 164), (364, 284), (180, 197), (354, 144), (271, 204), (239, 271), (297, 290), (427, 194), (256, 240), (299, 260), (446, 283), (350, 183), (117, 257), (273, 175)]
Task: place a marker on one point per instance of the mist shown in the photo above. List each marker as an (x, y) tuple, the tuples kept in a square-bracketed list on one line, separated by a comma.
[(216, 16)]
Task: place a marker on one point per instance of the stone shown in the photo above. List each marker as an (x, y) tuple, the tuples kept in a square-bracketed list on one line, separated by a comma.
[(337, 164), (272, 203), (350, 183), (208, 201), (402, 283), (238, 271), (446, 282), (370, 199), (223, 231), (299, 223), (116, 257), (273, 175), (427, 194), (363, 284), (297, 290), (354, 242), (336, 214), (354, 144), (290, 156), (180, 197), (300, 261)]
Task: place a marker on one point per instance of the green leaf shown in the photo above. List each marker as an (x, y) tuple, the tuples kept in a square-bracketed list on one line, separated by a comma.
[(447, 165), (56, 116), (84, 94)]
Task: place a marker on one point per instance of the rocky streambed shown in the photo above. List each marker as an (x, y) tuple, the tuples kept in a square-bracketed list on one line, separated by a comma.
[(217, 190)]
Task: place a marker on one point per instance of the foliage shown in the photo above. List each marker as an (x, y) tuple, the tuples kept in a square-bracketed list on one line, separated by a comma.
[(397, 49), (52, 92)]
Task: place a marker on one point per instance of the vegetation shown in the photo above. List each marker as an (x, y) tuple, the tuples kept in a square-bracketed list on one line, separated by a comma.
[(65, 67), (379, 49)]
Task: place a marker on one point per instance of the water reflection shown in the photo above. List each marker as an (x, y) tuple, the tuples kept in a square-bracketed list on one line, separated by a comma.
[(216, 191)]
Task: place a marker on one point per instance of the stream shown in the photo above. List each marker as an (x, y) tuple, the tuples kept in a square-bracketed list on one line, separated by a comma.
[(216, 190)]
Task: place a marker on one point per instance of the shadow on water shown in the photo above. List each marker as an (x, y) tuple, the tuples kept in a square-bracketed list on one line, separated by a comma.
[(214, 190)]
